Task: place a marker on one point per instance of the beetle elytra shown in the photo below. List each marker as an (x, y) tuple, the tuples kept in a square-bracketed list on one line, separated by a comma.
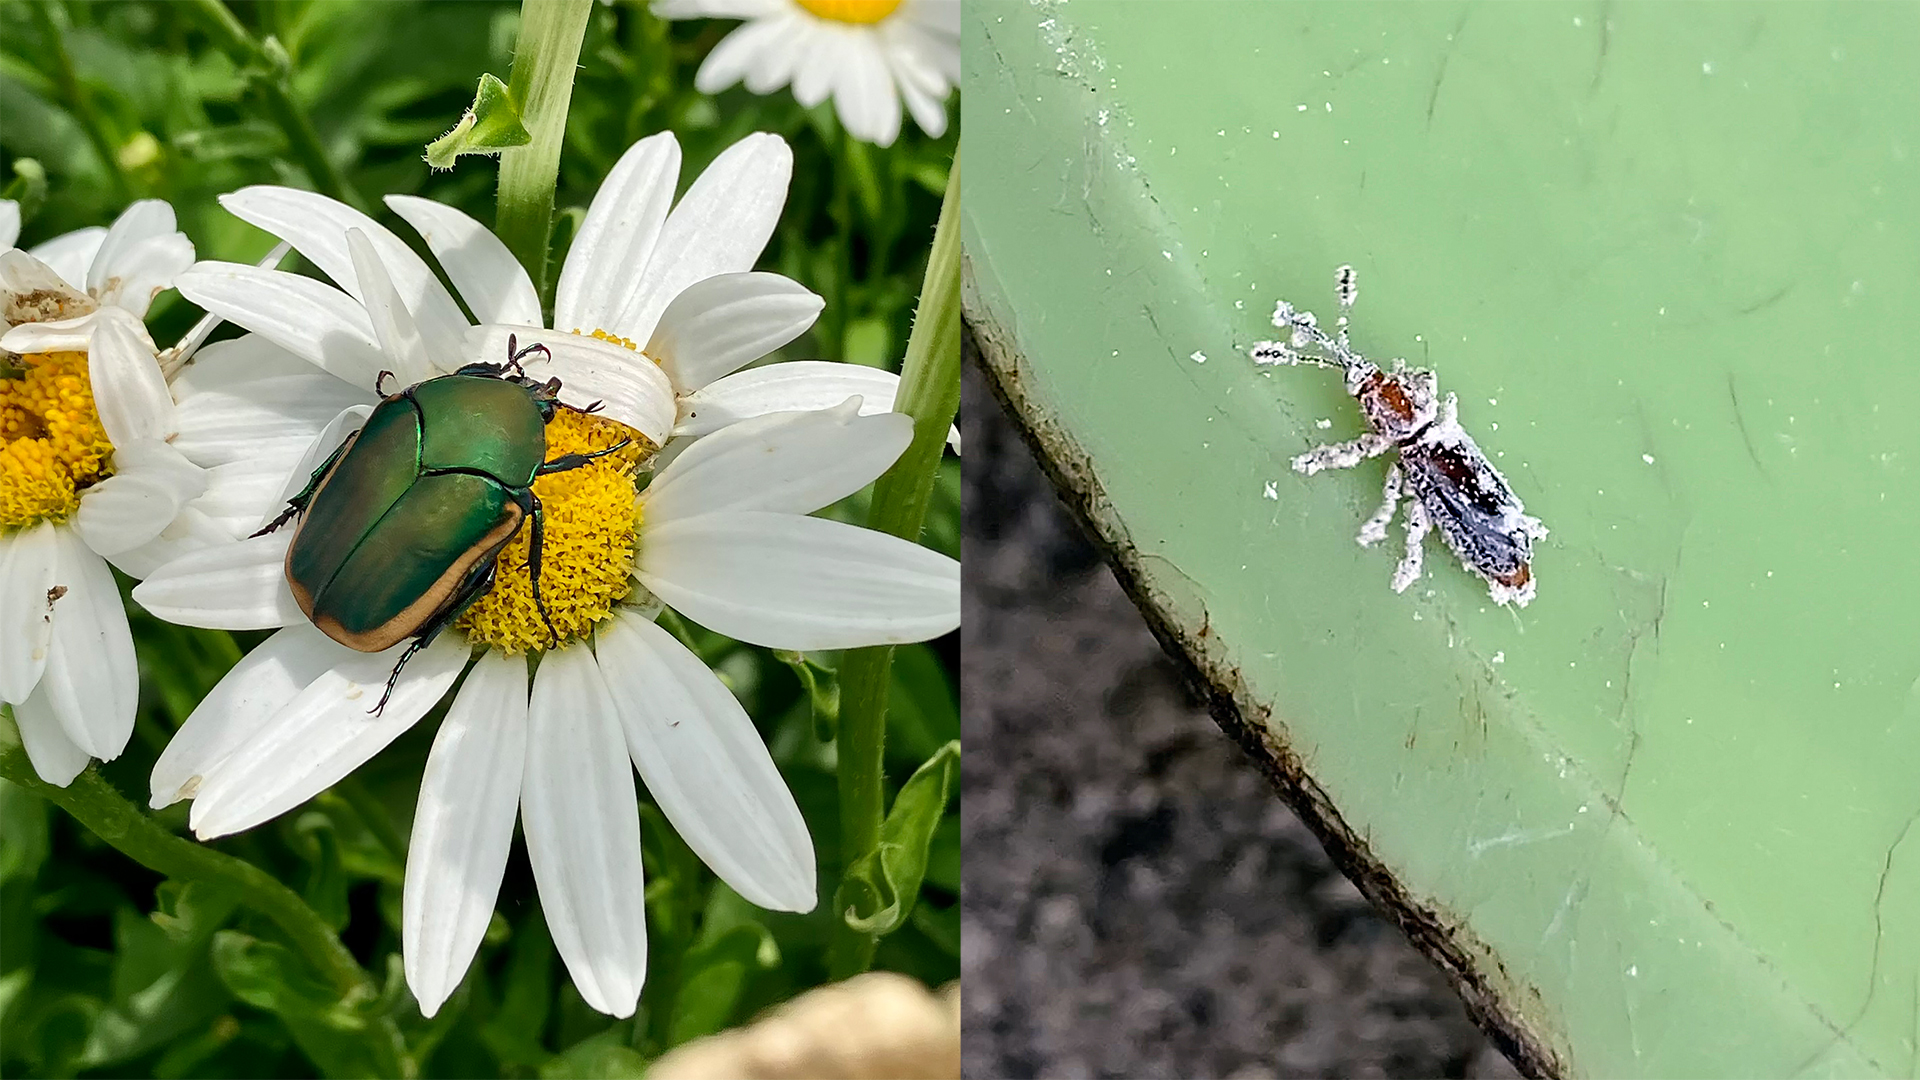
[(401, 526)]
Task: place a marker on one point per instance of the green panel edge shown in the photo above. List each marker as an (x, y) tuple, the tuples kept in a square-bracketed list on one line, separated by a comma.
[(1623, 968)]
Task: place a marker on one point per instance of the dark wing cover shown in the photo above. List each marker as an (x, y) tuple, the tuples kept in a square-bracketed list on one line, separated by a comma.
[(1470, 504)]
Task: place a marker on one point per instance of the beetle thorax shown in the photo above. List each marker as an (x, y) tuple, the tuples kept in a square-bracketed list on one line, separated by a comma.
[(1397, 405), (52, 444), (592, 524)]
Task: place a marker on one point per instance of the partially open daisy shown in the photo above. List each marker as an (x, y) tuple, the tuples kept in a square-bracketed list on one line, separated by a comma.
[(659, 307), (87, 475), (866, 54), (722, 535)]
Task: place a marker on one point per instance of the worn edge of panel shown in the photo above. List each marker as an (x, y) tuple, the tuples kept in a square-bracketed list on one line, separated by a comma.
[(1448, 944)]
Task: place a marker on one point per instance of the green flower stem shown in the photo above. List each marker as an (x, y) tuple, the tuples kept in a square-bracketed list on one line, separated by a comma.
[(930, 393), (541, 86), (68, 82), (272, 74), (97, 805)]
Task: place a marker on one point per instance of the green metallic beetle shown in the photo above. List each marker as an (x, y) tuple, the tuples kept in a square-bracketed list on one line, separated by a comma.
[(401, 525)]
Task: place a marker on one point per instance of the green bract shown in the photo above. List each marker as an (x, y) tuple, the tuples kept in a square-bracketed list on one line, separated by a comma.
[(401, 525)]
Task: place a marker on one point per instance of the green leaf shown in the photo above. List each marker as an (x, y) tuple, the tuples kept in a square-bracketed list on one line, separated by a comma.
[(28, 187), (23, 833), (880, 888), (326, 886), (515, 1031), (190, 911), (714, 976), (823, 691), (602, 1057), (491, 124), (341, 1040)]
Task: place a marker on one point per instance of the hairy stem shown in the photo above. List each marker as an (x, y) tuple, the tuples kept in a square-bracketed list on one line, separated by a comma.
[(541, 87), (930, 393)]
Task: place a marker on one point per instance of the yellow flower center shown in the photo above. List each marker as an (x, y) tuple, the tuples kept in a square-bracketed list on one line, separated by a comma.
[(52, 446), (592, 522), (858, 12)]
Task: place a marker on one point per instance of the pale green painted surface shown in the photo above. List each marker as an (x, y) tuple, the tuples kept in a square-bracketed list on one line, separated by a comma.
[(1685, 232)]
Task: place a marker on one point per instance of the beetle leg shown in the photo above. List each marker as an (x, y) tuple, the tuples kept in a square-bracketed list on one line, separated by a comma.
[(1418, 523), (530, 503), (1375, 528), (394, 679), (1342, 455), (380, 382), (300, 500), (574, 461)]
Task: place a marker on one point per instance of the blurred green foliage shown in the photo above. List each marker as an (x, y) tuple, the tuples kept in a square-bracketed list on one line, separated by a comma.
[(107, 968)]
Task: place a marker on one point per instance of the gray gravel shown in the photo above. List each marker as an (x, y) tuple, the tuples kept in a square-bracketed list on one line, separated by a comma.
[(1137, 900)]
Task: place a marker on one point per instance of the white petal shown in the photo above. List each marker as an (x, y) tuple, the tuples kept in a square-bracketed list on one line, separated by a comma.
[(243, 495), (726, 322), (780, 55), (150, 483), (237, 586), (795, 462), (609, 255), (864, 95), (745, 51), (260, 685), (716, 9), (317, 227), (27, 561), (491, 281), (629, 387), (308, 318), (128, 389), (225, 364), (34, 293), (400, 344), (143, 271), (54, 756), (785, 387), (70, 255), (582, 824), (705, 765), (143, 220), (719, 227), (350, 420), (923, 88), (190, 531), (91, 682), (791, 582), (10, 223), (822, 49), (263, 417), (463, 826), (326, 731)]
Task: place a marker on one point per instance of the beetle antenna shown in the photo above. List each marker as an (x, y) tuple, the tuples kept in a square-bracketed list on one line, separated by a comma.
[(1346, 291), (380, 382)]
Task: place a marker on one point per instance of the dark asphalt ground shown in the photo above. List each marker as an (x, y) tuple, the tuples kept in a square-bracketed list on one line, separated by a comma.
[(1138, 902)]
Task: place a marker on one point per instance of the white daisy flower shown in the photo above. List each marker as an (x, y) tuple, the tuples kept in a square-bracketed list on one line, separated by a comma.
[(867, 54), (87, 475), (681, 282), (721, 534)]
